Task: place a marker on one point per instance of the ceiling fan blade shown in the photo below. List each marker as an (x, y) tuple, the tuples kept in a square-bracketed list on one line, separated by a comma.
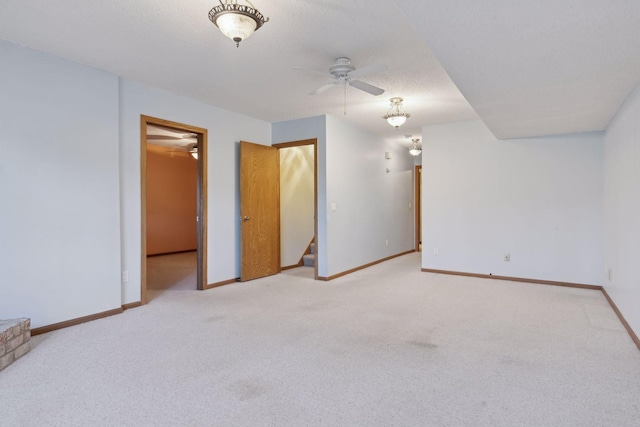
[(373, 90), (323, 88), (367, 71), (306, 70)]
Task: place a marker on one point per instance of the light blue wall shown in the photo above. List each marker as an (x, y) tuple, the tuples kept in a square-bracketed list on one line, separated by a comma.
[(538, 199), (374, 214), (59, 172), (622, 209)]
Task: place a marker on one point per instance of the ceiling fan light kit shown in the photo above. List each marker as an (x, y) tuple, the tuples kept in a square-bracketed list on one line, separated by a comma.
[(415, 148), (237, 21), (395, 117)]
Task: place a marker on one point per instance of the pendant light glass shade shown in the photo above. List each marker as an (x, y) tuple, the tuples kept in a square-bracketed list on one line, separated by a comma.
[(396, 121), (415, 148), (235, 26), (236, 21), (395, 117)]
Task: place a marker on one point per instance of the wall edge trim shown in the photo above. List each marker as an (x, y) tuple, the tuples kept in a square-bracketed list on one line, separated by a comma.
[(131, 305), (624, 322), (73, 322), (218, 284), (172, 253), (344, 273), (515, 279)]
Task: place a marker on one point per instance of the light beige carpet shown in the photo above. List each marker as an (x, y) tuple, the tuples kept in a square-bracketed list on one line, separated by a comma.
[(384, 346)]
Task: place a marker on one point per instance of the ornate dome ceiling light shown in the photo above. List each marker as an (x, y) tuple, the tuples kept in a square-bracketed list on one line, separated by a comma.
[(395, 117), (415, 148), (237, 21)]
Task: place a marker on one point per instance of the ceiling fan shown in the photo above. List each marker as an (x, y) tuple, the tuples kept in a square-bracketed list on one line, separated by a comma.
[(174, 140), (191, 149), (171, 140), (343, 73)]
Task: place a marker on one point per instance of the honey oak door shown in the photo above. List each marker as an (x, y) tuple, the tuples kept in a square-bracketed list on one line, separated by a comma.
[(259, 211)]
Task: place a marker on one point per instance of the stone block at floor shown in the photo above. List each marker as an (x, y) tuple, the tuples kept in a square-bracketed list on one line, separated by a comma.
[(15, 340)]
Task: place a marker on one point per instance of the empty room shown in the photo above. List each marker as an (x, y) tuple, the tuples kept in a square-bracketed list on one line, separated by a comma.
[(320, 213)]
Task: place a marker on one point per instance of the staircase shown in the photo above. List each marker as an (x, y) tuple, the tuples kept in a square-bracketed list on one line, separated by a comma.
[(309, 259)]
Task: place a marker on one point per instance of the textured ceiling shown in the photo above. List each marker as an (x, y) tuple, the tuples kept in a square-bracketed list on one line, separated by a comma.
[(536, 67), (497, 52)]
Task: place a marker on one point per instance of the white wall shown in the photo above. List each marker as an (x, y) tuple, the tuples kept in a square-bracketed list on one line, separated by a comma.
[(225, 130), (372, 206), (59, 221), (539, 199), (622, 209), (297, 196)]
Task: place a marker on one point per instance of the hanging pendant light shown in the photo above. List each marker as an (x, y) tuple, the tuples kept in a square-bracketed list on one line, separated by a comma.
[(415, 148), (394, 116), (237, 21)]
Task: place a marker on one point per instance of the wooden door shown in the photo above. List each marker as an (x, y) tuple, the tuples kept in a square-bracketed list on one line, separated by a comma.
[(259, 211)]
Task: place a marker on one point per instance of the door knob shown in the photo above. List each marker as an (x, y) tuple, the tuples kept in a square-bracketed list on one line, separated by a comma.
[(245, 218)]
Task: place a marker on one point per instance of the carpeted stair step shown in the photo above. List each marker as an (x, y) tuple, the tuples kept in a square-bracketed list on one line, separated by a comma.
[(309, 260)]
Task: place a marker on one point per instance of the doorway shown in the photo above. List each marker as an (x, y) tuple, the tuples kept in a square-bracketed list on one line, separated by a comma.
[(189, 144), (299, 203)]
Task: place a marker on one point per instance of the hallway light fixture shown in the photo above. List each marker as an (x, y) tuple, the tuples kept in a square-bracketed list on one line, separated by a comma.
[(394, 116), (415, 148), (237, 21)]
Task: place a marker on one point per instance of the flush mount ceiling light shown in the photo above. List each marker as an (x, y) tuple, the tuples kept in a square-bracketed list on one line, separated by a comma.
[(237, 21), (415, 148), (394, 117)]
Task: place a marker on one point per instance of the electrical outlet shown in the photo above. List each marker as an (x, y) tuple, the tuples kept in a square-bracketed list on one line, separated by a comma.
[(436, 251), (386, 242), (507, 257), (125, 276)]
